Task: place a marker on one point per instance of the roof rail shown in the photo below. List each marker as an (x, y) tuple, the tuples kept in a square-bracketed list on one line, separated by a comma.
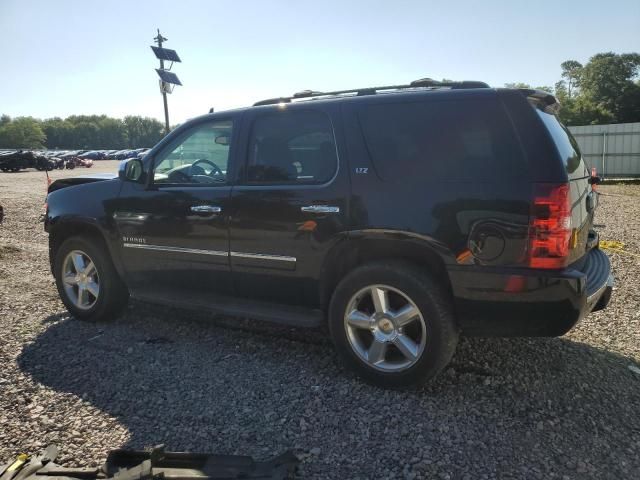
[(421, 83)]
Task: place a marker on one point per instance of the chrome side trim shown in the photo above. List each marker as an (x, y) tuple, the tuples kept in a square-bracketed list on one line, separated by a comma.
[(217, 253), (163, 248), (263, 256)]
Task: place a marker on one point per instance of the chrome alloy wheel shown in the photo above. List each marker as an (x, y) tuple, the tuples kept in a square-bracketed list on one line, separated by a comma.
[(385, 328), (80, 280)]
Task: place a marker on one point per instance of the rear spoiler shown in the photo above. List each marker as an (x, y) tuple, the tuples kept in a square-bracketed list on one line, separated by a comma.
[(541, 99)]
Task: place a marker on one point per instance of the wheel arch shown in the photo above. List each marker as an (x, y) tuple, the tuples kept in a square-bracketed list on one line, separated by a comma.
[(362, 247), (67, 228)]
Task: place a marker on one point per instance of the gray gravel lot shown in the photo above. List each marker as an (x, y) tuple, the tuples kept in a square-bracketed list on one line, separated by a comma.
[(506, 408)]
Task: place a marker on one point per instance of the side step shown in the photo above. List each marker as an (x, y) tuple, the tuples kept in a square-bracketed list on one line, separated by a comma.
[(234, 306)]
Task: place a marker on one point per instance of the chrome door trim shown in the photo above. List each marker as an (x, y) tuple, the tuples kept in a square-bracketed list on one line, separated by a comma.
[(320, 209), (263, 256), (217, 253), (163, 248), (205, 209)]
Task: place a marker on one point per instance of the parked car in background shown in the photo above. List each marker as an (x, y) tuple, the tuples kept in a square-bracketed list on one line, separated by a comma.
[(14, 161), (402, 216), (74, 161), (93, 155)]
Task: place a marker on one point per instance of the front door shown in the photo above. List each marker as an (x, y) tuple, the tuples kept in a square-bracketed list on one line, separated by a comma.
[(290, 205), (174, 230)]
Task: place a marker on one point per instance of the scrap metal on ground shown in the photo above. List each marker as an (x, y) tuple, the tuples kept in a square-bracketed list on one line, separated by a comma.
[(154, 463)]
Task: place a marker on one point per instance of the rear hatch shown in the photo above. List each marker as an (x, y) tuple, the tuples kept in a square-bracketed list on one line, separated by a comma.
[(582, 199)]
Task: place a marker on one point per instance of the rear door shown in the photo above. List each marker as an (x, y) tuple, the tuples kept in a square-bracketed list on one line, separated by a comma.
[(290, 205), (583, 199)]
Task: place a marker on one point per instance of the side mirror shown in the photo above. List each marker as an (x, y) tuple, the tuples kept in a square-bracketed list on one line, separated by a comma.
[(595, 180), (131, 170)]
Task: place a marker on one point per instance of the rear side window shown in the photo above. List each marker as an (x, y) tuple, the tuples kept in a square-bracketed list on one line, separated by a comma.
[(290, 148), (566, 145), (469, 140)]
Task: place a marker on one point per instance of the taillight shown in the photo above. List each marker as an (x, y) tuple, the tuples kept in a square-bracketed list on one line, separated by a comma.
[(550, 226)]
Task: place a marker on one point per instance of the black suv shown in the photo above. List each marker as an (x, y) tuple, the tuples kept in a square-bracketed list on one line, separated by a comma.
[(401, 215)]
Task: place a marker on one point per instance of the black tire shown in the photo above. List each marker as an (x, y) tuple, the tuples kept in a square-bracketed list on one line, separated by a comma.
[(113, 293), (437, 321)]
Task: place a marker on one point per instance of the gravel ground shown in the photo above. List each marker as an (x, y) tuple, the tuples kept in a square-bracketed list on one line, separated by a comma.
[(506, 408)]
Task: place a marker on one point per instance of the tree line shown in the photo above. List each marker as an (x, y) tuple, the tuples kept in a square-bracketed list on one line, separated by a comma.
[(80, 132), (604, 90)]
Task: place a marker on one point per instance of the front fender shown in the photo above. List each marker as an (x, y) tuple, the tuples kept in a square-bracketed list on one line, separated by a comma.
[(84, 209)]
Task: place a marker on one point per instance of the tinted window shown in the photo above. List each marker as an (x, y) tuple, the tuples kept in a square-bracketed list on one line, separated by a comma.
[(566, 145), (444, 140), (292, 147), (201, 157)]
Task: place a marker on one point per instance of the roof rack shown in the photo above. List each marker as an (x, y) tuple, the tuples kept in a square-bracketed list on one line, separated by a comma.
[(421, 83)]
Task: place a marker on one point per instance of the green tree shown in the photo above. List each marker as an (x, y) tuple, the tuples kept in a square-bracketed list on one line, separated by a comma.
[(22, 132), (112, 133), (609, 81), (571, 74), (527, 86), (517, 85), (59, 133), (605, 90), (85, 134), (4, 119), (583, 111), (143, 131)]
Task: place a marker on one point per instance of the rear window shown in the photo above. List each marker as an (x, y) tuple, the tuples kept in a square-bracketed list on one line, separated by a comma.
[(470, 140), (566, 145), (292, 147)]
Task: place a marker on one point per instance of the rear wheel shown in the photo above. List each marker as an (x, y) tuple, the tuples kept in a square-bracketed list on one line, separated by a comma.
[(392, 324), (87, 281)]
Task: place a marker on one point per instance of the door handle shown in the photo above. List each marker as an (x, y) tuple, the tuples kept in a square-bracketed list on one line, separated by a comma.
[(320, 209), (205, 209)]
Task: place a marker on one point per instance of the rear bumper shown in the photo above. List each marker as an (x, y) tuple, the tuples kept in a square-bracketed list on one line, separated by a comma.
[(521, 302)]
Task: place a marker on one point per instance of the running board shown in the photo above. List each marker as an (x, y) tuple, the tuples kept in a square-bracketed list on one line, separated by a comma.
[(234, 306)]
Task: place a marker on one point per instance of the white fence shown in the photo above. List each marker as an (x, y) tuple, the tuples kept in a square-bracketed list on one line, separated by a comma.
[(613, 149)]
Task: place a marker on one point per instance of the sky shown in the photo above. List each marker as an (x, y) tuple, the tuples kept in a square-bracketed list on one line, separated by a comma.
[(66, 57)]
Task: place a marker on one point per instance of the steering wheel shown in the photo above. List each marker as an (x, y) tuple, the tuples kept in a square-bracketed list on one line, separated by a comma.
[(215, 170)]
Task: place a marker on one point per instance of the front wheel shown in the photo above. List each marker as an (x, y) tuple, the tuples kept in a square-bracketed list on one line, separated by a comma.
[(87, 281), (393, 324)]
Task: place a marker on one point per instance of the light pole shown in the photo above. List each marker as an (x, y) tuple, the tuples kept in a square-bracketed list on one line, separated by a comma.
[(168, 79)]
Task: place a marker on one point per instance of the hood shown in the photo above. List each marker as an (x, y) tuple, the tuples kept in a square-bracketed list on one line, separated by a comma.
[(71, 181)]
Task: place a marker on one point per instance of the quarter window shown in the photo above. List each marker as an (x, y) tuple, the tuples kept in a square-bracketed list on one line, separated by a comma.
[(441, 140), (290, 148), (566, 145), (200, 158)]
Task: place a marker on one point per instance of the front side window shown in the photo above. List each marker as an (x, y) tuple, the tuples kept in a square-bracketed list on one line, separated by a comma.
[(201, 157), (290, 148)]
